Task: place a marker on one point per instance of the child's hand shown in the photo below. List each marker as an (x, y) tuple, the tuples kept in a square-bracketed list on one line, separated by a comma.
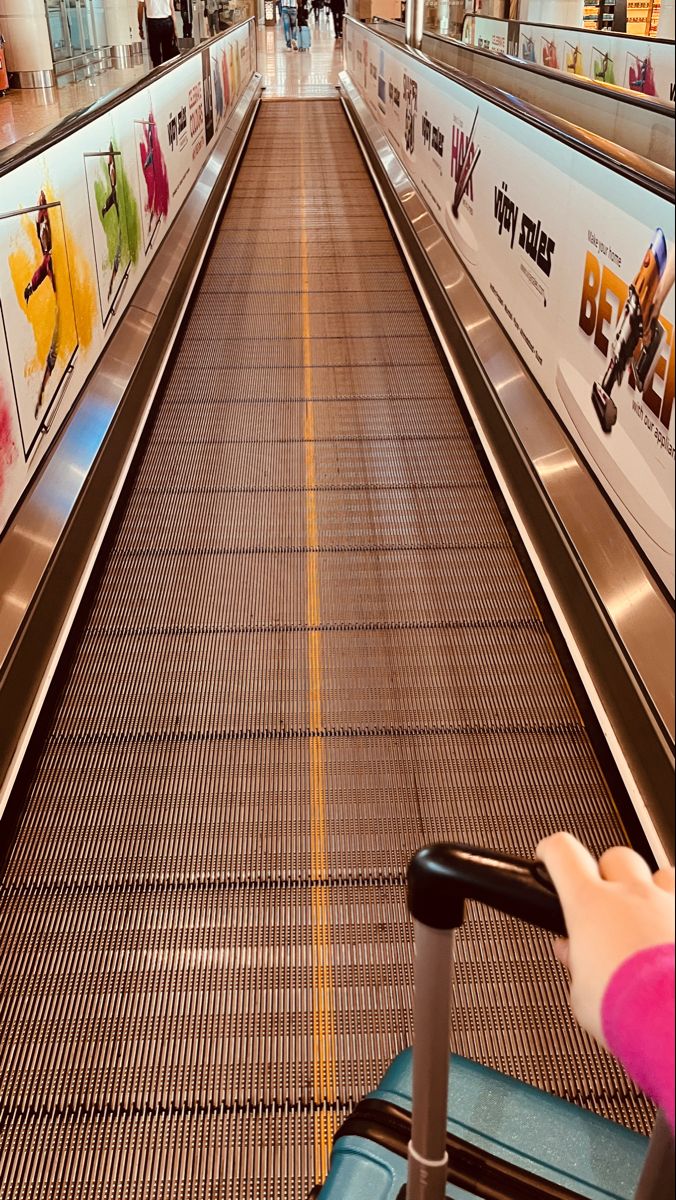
[(612, 908)]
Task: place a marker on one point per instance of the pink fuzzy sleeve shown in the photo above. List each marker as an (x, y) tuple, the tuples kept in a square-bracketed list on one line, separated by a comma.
[(638, 1022)]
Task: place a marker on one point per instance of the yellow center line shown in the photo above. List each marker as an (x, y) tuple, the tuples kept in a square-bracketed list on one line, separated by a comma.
[(323, 1000)]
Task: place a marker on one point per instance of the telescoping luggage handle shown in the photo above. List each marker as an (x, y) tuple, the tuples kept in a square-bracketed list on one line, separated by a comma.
[(440, 879)]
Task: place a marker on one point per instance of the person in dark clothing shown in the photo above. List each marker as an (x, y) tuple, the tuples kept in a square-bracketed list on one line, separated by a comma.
[(186, 17), (304, 41), (161, 32), (338, 10), (317, 6)]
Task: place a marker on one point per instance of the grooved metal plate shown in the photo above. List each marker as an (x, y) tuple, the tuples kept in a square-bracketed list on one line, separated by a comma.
[(224, 1153), (312, 649)]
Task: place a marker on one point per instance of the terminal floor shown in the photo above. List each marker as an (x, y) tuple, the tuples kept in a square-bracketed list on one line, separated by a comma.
[(312, 650), (28, 111)]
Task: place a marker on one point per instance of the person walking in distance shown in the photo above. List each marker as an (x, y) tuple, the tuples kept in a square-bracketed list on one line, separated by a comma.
[(211, 14), (317, 6), (290, 21), (304, 38), (338, 10), (185, 10), (161, 32)]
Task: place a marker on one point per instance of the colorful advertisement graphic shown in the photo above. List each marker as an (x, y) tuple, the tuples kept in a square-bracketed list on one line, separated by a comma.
[(639, 64), (208, 96), (231, 67), (9, 435), (79, 225), (153, 179), (41, 326), (115, 221), (575, 261)]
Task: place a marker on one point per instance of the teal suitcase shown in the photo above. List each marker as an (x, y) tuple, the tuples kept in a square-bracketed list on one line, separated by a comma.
[(440, 1126)]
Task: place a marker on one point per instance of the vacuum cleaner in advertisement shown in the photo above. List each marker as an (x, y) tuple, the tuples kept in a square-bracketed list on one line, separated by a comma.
[(638, 333)]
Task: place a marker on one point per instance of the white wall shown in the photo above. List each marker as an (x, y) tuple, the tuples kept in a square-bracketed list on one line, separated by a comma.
[(121, 22), (553, 12), (665, 28)]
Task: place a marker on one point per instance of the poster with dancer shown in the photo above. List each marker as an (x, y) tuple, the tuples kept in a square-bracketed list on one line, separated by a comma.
[(80, 221), (41, 328), (115, 224), (639, 64), (153, 180), (220, 74)]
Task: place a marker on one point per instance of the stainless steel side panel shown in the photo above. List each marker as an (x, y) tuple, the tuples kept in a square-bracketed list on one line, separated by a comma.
[(45, 516), (638, 619)]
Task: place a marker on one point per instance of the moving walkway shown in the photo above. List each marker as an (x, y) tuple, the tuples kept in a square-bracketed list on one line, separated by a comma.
[(310, 643)]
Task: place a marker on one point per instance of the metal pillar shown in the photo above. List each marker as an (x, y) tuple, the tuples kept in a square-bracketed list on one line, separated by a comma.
[(415, 15)]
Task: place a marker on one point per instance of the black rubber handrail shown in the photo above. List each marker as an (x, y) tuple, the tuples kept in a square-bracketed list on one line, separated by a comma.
[(20, 152)]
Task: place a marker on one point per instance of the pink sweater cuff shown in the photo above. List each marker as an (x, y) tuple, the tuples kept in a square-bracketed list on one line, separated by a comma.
[(638, 1022)]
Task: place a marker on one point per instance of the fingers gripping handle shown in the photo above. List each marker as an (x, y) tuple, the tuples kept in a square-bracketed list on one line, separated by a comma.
[(440, 878)]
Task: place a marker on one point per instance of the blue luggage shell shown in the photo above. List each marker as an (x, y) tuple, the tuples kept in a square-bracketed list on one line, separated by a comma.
[(514, 1122)]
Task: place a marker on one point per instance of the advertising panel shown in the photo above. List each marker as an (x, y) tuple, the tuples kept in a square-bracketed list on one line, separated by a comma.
[(79, 225), (576, 262), (231, 66), (638, 64)]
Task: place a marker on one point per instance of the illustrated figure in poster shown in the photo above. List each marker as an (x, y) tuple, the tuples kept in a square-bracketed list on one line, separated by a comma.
[(225, 71), (639, 335), (221, 80), (155, 176), (233, 61), (604, 68), (116, 223), (550, 57), (642, 75), (528, 49), (574, 59), (410, 110), (219, 104), (45, 272), (112, 203)]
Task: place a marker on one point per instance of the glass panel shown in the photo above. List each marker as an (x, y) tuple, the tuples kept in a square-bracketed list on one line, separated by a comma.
[(86, 24), (445, 16), (73, 12), (58, 30)]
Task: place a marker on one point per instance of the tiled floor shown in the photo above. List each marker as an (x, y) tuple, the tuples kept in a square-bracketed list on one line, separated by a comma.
[(26, 111), (288, 73), (294, 75)]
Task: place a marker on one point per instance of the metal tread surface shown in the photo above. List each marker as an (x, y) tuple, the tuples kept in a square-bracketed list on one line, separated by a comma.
[(311, 650)]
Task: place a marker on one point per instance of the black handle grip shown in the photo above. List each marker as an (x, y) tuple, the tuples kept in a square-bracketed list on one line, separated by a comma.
[(440, 879)]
